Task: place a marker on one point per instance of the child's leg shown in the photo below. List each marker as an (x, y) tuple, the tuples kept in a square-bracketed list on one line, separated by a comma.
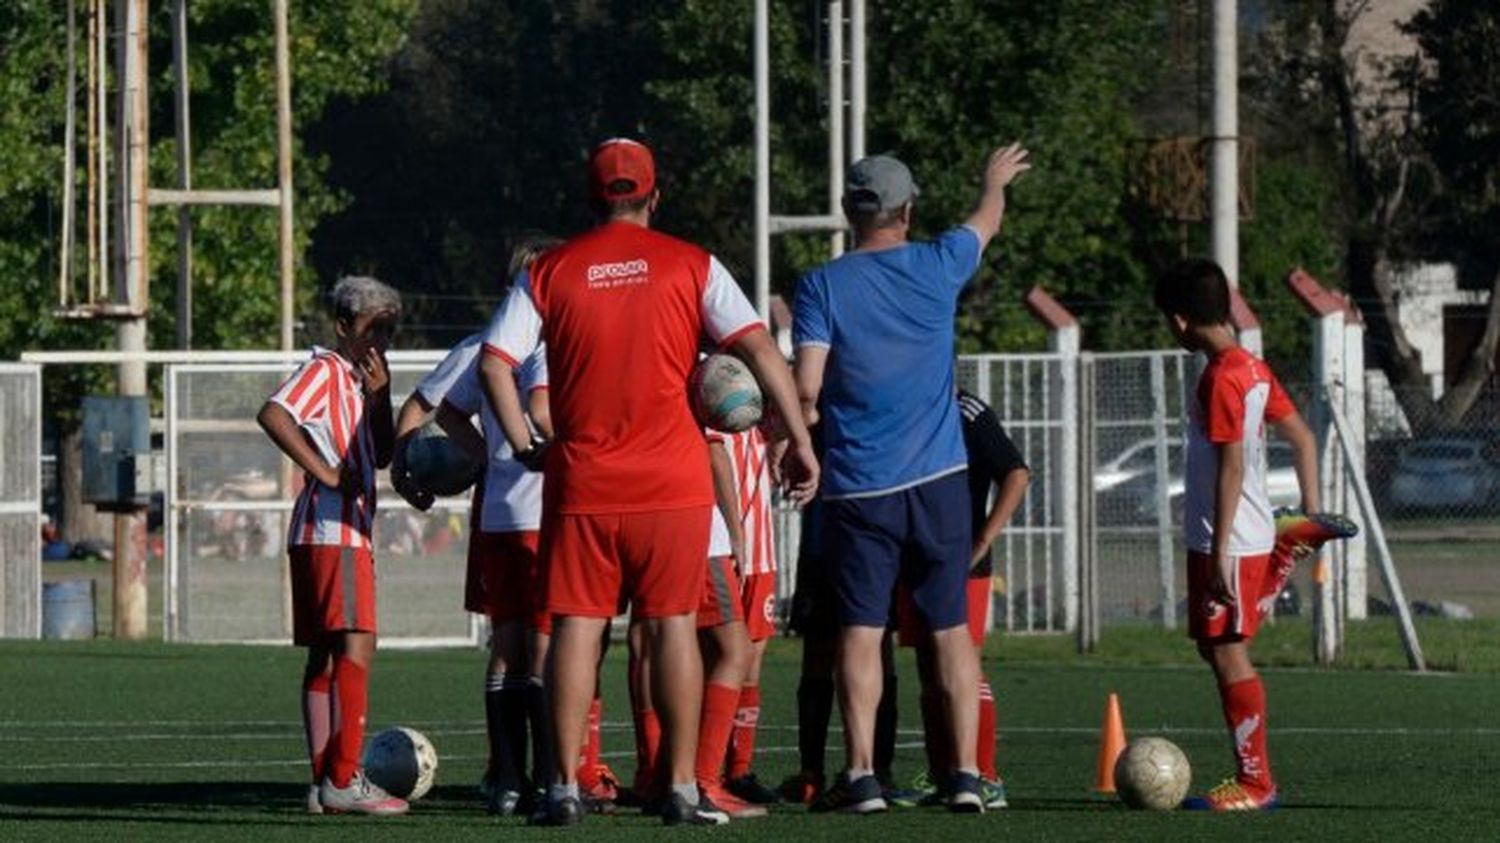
[(935, 733), (1243, 699), (815, 694), (746, 715), (985, 752), (647, 725), (538, 711), (351, 680), (318, 706), (886, 714), (726, 656), (505, 684)]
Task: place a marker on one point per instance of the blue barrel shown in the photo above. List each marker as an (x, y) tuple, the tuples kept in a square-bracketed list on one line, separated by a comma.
[(68, 609)]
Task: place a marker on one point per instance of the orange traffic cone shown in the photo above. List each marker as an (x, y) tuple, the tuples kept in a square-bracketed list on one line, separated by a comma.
[(1111, 744)]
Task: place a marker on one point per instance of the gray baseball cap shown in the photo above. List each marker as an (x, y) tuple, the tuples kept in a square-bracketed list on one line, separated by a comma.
[(879, 183)]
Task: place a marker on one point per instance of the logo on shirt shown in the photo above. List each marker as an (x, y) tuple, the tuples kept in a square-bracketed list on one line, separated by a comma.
[(604, 276)]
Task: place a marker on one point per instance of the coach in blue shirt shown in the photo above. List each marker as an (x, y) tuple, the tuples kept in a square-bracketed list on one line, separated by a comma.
[(874, 337)]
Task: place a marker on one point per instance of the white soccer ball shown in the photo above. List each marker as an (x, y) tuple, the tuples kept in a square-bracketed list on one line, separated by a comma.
[(724, 394), (1152, 773), (403, 762)]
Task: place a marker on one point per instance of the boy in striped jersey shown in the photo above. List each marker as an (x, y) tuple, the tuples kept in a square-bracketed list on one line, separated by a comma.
[(333, 419), (754, 542)]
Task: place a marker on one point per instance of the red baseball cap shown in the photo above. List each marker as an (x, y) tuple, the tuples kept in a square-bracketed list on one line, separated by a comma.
[(621, 169)]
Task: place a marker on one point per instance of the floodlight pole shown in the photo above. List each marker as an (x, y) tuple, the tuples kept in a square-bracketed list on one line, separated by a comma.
[(763, 159), (286, 253), (1224, 144)]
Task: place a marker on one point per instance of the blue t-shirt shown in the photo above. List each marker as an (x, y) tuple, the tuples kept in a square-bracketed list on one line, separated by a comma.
[(890, 412)]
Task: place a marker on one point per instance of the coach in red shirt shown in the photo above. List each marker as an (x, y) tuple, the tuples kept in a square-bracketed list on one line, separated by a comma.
[(623, 310)]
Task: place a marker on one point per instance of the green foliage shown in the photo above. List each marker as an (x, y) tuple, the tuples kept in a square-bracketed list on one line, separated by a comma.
[(1293, 226), (337, 51), (1459, 125)]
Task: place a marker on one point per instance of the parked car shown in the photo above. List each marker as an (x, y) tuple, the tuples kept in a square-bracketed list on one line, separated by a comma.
[(1138, 459), (1443, 473), (1281, 486)]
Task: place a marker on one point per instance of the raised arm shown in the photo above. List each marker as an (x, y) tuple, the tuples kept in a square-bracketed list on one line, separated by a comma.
[(1294, 430), (1003, 166)]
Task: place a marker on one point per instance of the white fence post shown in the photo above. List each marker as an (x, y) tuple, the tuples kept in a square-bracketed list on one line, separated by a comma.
[(1328, 374), (1164, 554), (1064, 338)]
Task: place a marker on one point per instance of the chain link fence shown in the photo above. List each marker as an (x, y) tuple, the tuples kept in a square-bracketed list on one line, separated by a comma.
[(230, 495), (20, 501)]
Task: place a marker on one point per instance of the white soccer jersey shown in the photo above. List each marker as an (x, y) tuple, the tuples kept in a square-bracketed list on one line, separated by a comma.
[(747, 453), (1236, 396), (510, 498), (327, 401), (435, 384)]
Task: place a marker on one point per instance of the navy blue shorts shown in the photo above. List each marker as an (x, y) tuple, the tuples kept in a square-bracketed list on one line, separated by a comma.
[(919, 536)]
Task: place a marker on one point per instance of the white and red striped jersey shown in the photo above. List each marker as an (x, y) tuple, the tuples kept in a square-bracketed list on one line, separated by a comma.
[(752, 475), (327, 401)]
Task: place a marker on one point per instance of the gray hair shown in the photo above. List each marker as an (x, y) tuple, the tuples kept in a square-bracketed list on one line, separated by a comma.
[(359, 294)]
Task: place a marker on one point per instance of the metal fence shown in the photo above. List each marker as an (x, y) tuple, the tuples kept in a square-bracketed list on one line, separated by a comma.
[(230, 494), (20, 501), (1138, 417)]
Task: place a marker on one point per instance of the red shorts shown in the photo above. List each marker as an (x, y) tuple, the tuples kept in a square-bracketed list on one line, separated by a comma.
[(721, 594), (333, 591), (909, 625), (653, 559), (758, 599), (504, 579), (1210, 620)]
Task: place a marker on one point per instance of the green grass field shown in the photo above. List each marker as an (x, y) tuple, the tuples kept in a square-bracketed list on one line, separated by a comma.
[(150, 741)]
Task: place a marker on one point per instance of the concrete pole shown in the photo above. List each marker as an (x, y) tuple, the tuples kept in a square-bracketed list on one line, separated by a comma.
[(130, 333), (1224, 145), (763, 160), (835, 122), (858, 95), (1328, 368), (287, 244), (1356, 555)]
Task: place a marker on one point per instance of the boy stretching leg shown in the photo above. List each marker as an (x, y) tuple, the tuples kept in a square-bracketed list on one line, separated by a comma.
[(1228, 522)]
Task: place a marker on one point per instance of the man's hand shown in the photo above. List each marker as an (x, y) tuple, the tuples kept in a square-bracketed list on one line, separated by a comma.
[(800, 473), (1004, 165), (374, 371)]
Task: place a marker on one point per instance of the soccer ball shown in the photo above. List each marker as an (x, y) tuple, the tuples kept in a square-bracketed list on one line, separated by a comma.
[(403, 762), (724, 394), (1152, 773), (437, 465)]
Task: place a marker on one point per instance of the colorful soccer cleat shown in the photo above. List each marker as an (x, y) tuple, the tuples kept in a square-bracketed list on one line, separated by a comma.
[(1230, 795), (1294, 528), (993, 791), (599, 787)]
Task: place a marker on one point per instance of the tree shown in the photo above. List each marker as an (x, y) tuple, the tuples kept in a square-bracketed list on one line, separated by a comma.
[(1416, 142)]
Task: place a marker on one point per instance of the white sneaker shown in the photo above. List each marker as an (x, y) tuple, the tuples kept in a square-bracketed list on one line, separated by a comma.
[(314, 801), (361, 795)]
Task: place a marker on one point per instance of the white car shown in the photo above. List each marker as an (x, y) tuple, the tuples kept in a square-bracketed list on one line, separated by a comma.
[(1443, 473), (1281, 485)]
